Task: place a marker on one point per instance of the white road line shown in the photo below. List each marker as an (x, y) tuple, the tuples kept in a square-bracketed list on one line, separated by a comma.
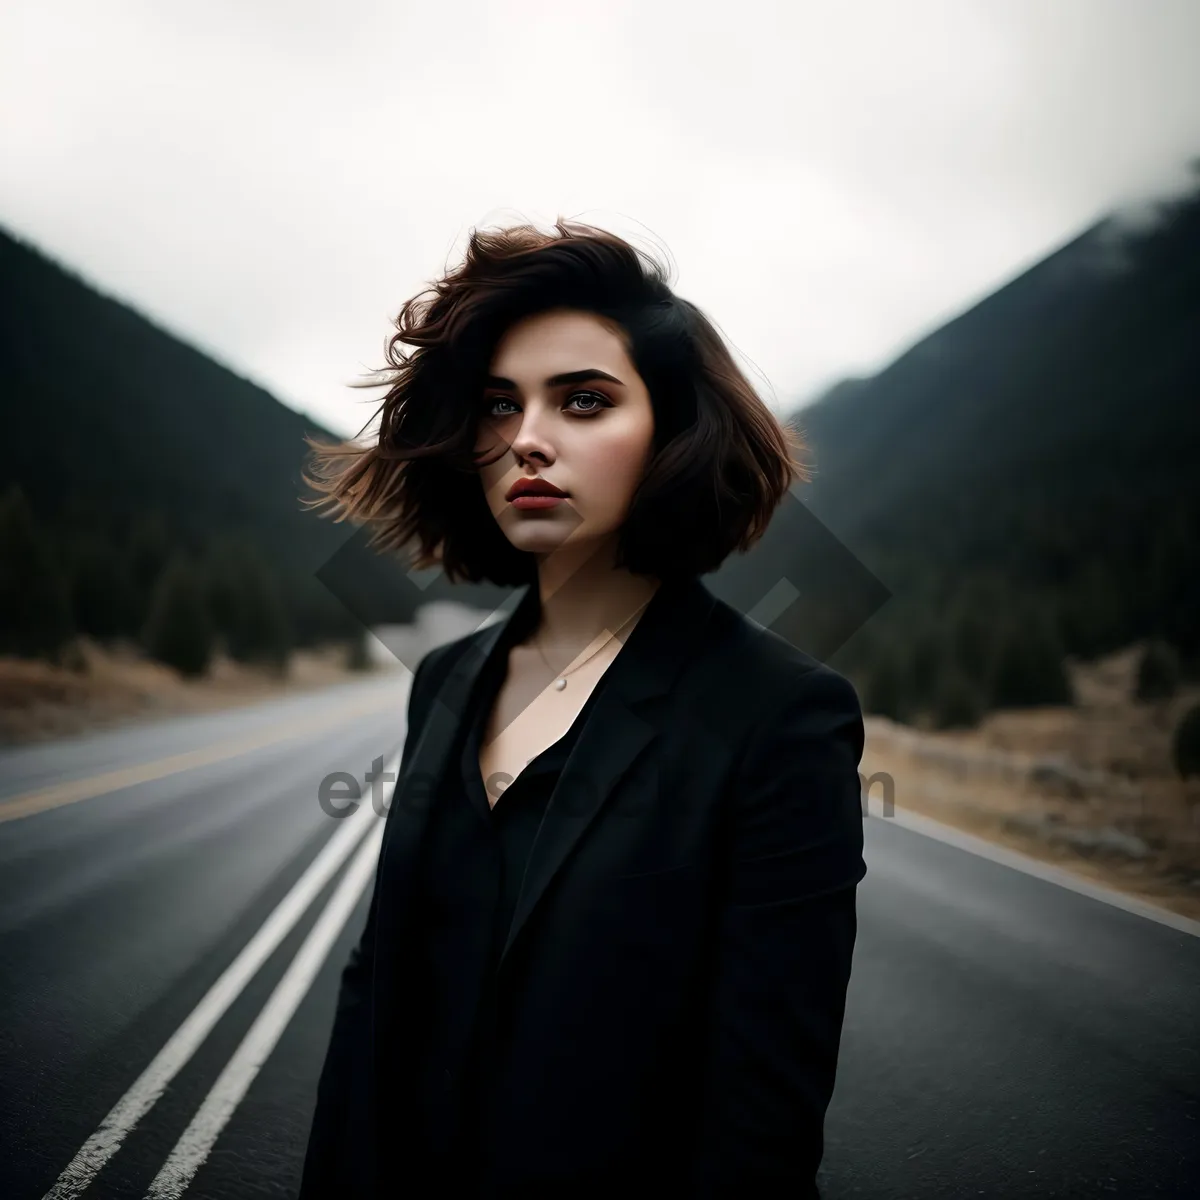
[(201, 1135), (171, 1059)]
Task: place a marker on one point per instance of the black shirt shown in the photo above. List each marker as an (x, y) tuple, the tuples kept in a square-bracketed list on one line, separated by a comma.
[(472, 864)]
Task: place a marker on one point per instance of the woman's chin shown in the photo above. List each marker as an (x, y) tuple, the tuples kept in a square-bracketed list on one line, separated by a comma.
[(538, 541), (546, 538)]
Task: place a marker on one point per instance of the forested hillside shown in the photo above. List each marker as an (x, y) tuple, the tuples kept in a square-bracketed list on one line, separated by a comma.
[(1017, 487), (135, 465), (1024, 480)]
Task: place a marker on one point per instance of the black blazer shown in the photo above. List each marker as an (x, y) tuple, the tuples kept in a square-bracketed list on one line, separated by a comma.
[(680, 951)]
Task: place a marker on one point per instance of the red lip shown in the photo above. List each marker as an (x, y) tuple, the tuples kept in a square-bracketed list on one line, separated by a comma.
[(533, 487)]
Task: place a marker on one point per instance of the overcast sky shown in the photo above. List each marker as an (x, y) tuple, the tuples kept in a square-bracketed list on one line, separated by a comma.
[(271, 181)]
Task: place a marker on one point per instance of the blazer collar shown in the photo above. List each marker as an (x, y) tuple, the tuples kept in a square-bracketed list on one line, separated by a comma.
[(620, 726), (658, 646)]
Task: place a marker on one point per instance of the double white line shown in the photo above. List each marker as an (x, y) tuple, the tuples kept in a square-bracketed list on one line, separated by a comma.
[(364, 827)]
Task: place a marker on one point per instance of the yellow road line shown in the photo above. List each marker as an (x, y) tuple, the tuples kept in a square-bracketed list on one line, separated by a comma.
[(96, 785)]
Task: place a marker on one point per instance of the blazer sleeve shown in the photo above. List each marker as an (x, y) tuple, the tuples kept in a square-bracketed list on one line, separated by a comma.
[(340, 1118), (785, 939)]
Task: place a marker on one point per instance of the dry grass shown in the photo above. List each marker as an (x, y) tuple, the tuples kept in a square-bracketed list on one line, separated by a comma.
[(39, 701), (1089, 788)]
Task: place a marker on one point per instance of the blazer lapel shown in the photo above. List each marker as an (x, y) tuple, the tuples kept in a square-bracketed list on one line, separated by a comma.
[(620, 726), (416, 789)]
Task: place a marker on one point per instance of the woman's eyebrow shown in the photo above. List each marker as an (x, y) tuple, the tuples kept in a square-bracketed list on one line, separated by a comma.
[(498, 381)]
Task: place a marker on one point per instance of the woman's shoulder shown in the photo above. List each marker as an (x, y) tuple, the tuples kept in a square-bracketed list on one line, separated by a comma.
[(438, 661), (746, 690), (769, 668)]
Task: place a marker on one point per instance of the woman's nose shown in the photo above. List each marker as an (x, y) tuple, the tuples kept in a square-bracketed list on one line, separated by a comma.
[(533, 437)]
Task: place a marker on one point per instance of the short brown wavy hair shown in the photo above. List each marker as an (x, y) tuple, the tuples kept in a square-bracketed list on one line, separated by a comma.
[(721, 464)]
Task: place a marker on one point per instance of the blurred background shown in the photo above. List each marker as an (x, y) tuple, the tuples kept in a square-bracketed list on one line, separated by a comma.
[(955, 244), (958, 245)]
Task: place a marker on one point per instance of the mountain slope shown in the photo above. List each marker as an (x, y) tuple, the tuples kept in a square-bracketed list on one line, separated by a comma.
[(1045, 440), (109, 418)]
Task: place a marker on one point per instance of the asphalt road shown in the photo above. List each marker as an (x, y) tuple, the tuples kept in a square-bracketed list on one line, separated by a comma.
[(175, 909)]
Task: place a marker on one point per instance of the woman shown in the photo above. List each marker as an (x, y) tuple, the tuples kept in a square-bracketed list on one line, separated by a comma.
[(614, 914)]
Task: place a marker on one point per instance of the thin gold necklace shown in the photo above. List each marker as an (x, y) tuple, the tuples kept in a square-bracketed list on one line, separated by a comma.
[(561, 681)]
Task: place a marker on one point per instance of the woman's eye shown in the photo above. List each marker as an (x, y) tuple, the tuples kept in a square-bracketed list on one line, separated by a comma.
[(595, 399), (599, 400)]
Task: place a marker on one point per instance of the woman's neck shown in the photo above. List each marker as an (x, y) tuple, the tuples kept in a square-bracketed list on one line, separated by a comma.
[(583, 600)]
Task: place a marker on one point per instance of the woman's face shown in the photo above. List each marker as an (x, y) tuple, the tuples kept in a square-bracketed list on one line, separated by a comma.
[(563, 396)]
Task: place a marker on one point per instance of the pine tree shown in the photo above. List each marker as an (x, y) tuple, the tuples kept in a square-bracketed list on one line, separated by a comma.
[(1185, 748), (246, 604), (224, 573), (973, 644), (103, 597), (266, 633), (1031, 663), (885, 692), (958, 702), (924, 666), (1158, 672), (1093, 612), (34, 594), (146, 555), (179, 630)]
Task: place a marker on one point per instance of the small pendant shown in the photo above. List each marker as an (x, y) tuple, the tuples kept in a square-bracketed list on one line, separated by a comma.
[(562, 683)]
